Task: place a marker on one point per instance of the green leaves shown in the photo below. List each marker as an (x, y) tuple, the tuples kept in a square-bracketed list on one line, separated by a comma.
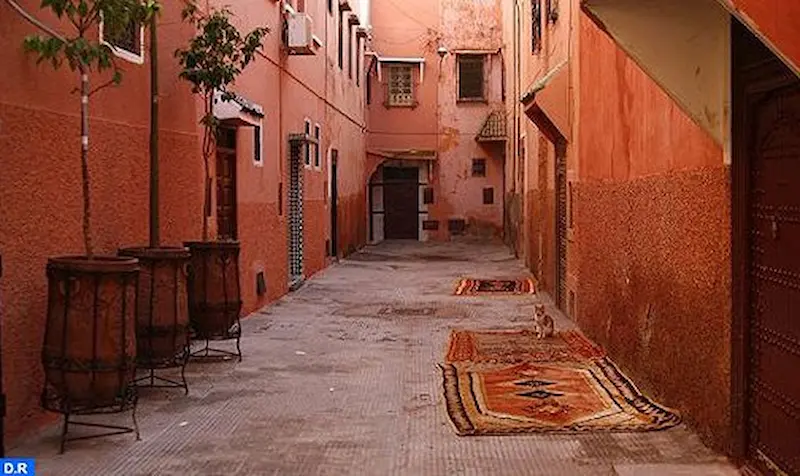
[(217, 54), (81, 50)]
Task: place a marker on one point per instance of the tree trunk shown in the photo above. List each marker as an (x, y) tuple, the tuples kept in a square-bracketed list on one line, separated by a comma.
[(87, 218), (155, 239), (208, 143)]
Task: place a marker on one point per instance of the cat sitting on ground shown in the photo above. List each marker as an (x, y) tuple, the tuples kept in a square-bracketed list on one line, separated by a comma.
[(542, 322)]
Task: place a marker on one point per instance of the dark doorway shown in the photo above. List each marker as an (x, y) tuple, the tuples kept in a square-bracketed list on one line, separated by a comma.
[(334, 203), (561, 223), (401, 203), (766, 214), (226, 185)]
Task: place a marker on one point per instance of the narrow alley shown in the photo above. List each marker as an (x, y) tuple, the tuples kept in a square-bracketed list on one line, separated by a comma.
[(341, 377)]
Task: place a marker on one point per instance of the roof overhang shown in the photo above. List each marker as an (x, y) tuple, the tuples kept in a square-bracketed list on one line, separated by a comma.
[(404, 154), (237, 110), (549, 97), (683, 45), (400, 60), (494, 128)]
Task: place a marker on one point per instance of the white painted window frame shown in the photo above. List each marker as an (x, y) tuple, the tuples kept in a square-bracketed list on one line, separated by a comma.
[(317, 157), (260, 128), (121, 53), (308, 130)]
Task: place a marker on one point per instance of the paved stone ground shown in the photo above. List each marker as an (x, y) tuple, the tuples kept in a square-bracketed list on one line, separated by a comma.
[(330, 384)]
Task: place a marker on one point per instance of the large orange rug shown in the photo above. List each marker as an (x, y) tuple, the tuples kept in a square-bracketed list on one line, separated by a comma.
[(475, 287), (509, 382)]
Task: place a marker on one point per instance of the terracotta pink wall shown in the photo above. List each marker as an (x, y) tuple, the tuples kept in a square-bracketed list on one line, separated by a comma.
[(652, 232), (454, 25), (291, 89), (40, 184)]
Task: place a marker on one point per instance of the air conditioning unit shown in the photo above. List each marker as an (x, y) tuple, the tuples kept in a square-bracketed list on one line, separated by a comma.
[(299, 34)]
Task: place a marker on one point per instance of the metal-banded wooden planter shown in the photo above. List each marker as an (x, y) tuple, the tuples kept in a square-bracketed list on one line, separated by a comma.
[(214, 296), (89, 351), (162, 324)]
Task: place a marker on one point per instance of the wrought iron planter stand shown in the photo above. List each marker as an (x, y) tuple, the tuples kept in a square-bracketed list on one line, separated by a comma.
[(214, 298), (162, 330), (89, 351)]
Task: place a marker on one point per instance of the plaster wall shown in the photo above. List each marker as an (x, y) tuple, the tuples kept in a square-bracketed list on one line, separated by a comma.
[(40, 188), (652, 234)]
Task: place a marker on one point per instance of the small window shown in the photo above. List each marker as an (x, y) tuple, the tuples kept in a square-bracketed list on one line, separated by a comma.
[(307, 155), (552, 10), (401, 89), (536, 25), (358, 61), (257, 144), (427, 195), (349, 50), (280, 198), (341, 39), (479, 167), (470, 77), (488, 196), (128, 43), (330, 7), (318, 137)]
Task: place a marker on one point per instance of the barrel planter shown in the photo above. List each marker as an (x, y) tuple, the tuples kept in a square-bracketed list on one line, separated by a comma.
[(162, 321), (89, 351), (214, 296)]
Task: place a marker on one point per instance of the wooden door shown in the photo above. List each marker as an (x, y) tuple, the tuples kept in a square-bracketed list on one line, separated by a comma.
[(226, 185), (768, 174), (561, 224), (334, 203), (401, 203)]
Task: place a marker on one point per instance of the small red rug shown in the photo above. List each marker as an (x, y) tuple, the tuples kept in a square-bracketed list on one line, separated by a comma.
[(475, 287)]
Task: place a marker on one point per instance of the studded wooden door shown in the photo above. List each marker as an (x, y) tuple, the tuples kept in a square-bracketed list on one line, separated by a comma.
[(401, 203), (773, 267)]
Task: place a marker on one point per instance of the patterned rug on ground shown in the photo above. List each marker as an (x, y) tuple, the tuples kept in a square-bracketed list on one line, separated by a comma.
[(475, 287), (509, 382)]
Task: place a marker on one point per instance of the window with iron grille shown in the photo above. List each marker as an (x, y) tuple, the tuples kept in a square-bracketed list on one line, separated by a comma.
[(307, 131), (470, 77), (341, 39), (427, 195), (536, 25), (127, 43), (552, 11), (318, 137), (401, 87), (488, 196), (479, 167)]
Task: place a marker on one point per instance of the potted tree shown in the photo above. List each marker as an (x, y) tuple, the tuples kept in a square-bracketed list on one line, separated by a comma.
[(89, 346), (211, 62), (162, 327)]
